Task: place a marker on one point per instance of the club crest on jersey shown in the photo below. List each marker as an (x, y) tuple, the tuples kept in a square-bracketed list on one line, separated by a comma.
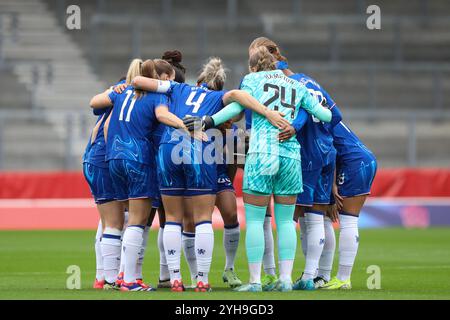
[(341, 179)]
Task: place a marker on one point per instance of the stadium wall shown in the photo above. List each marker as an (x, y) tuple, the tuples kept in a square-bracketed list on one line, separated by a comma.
[(61, 200)]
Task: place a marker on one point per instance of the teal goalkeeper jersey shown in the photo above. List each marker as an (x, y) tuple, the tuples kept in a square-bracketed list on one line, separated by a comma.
[(279, 93)]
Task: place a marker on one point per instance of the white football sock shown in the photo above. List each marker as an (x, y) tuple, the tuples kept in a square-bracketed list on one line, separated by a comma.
[(231, 236), (125, 223), (140, 261), (269, 256), (111, 246), (204, 245), (326, 259), (122, 261), (132, 244), (163, 267), (172, 246), (348, 245), (315, 237), (255, 272), (286, 270), (188, 239), (99, 274), (303, 236)]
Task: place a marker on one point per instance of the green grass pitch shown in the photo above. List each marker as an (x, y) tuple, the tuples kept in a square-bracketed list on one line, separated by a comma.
[(415, 264)]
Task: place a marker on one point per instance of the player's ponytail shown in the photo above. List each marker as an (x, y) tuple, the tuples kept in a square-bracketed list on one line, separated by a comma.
[(270, 45), (261, 60), (213, 74), (134, 70), (174, 58), (148, 69)]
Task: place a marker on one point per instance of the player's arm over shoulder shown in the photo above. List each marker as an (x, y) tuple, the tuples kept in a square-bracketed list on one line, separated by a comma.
[(154, 85), (103, 100), (311, 104)]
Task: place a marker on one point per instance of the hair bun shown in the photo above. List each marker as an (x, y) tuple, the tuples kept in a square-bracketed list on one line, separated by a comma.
[(174, 56)]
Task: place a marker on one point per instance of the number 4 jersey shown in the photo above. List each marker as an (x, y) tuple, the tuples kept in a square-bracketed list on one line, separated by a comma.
[(187, 100), (280, 93)]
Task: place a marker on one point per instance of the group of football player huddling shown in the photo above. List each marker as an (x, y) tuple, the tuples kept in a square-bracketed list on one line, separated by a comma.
[(162, 146)]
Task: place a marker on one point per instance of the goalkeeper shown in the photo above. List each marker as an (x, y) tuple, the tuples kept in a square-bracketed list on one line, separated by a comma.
[(271, 167)]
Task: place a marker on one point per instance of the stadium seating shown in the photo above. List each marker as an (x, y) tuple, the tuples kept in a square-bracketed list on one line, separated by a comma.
[(401, 68), (53, 72)]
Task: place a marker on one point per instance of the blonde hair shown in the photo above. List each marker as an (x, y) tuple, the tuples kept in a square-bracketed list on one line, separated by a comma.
[(261, 60), (134, 70), (148, 70), (138, 67), (271, 46), (213, 74)]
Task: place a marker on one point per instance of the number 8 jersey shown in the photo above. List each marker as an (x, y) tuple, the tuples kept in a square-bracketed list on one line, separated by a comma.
[(280, 93)]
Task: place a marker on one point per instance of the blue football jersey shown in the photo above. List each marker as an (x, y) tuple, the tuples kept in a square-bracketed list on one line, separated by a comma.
[(351, 151), (248, 119), (132, 124), (187, 100), (315, 136), (157, 134), (95, 152)]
